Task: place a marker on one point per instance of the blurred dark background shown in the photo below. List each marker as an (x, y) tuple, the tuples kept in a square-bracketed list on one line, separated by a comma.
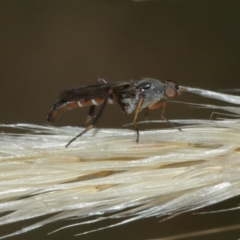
[(49, 46)]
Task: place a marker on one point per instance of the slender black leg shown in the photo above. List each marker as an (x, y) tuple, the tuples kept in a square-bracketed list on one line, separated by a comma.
[(90, 115), (93, 125)]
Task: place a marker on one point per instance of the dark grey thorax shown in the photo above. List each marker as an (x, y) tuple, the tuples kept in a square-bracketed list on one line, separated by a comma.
[(150, 89)]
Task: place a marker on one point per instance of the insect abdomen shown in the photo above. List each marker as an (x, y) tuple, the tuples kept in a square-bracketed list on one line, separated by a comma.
[(63, 105)]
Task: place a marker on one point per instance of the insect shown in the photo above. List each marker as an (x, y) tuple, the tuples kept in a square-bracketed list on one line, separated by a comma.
[(131, 96)]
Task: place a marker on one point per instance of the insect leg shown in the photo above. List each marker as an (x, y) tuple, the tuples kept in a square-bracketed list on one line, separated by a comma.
[(93, 125), (101, 81), (162, 116), (146, 115), (90, 115), (139, 104), (122, 106)]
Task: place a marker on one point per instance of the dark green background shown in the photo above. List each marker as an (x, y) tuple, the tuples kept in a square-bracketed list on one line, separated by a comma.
[(49, 46)]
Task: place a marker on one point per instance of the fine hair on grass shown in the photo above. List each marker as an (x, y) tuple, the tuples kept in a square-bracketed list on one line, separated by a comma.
[(107, 175)]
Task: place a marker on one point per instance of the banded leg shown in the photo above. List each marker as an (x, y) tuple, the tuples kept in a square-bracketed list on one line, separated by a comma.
[(93, 125)]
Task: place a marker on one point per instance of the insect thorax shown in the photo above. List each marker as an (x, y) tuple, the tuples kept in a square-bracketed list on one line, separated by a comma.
[(153, 92)]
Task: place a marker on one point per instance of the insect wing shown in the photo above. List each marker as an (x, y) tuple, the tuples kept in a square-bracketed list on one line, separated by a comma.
[(83, 92), (92, 91)]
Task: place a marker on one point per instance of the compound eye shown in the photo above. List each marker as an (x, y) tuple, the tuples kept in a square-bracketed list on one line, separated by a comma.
[(171, 90), (144, 85)]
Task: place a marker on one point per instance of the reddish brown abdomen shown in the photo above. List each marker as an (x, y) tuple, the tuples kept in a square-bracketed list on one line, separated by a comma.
[(63, 105)]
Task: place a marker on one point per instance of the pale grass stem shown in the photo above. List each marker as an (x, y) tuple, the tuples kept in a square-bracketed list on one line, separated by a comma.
[(106, 172)]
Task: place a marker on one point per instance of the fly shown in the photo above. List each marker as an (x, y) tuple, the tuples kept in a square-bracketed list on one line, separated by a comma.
[(131, 96)]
